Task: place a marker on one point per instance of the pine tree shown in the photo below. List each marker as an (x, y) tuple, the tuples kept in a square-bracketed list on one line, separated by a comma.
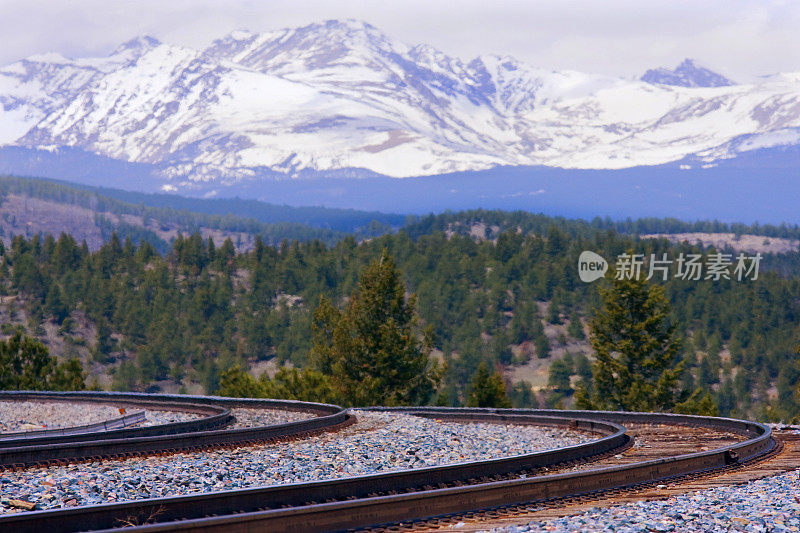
[(26, 364), (558, 376), (542, 346), (636, 365), (236, 383), (575, 328), (698, 403), (371, 349), (487, 390), (288, 383), (68, 375)]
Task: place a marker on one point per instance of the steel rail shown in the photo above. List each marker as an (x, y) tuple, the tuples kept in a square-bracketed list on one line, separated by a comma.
[(178, 436)]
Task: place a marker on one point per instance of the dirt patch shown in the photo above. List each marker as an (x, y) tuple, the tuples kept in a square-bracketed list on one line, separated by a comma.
[(27, 216), (740, 243), (21, 215), (396, 138)]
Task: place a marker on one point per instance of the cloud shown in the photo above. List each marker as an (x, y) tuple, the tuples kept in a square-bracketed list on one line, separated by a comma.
[(622, 37)]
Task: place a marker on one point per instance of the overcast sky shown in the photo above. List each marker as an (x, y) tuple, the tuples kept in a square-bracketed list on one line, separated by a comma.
[(739, 38)]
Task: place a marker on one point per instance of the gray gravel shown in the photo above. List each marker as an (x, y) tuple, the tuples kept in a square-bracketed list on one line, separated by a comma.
[(378, 442), (155, 418), (16, 416), (29, 416), (248, 418), (770, 504)]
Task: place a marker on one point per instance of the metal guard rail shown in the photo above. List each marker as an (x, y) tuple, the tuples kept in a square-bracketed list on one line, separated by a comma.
[(188, 435), (106, 425)]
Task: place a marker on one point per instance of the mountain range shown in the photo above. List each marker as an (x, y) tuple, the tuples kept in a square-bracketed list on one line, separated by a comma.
[(340, 99)]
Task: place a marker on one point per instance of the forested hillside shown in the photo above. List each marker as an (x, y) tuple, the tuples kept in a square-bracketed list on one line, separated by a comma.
[(509, 297), (35, 206)]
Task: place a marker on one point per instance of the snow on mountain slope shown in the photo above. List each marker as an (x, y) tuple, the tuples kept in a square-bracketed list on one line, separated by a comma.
[(687, 74), (32, 88), (341, 96)]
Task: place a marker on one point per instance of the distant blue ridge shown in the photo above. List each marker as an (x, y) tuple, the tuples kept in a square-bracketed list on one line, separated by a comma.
[(756, 186)]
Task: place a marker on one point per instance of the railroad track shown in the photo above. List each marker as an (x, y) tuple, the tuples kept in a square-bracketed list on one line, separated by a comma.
[(207, 432), (784, 457), (406, 496)]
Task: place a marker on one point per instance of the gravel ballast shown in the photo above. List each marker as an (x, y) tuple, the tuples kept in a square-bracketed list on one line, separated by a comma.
[(769, 504), (16, 416), (249, 418), (378, 442)]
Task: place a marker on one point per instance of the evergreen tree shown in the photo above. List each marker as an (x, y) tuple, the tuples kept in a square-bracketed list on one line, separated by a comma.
[(26, 364), (698, 403), (558, 376), (236, 383), (583, 367), (54, 304), (575, 327), (636, 365), (522, 396), (289, 384), (371, 349), (126, 377), (68, 375), (542, 346), (487, 390), (306, 385)]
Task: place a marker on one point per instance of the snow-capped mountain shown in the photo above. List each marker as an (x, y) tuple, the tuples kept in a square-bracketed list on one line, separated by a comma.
[(341, 98), (687, 74)]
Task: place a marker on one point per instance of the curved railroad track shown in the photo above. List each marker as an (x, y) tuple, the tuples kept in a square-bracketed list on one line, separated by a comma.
[(204, 433), (407, 495)]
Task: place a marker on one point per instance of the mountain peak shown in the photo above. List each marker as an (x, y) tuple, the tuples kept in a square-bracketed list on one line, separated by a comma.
[(239, 35), (314, 44), (349, 24), (138, 44), (348, 30), (328, 44), (688, 74)]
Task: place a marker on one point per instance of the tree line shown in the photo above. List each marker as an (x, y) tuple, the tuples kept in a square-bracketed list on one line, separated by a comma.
[(482, 305)]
